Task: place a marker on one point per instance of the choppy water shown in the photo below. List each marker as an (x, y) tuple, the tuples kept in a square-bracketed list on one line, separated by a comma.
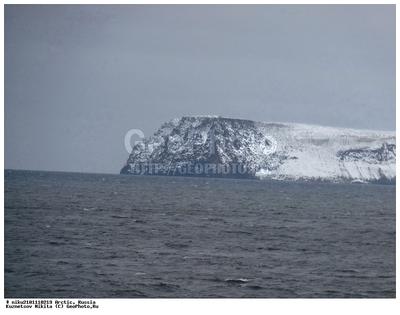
[(83, 235)]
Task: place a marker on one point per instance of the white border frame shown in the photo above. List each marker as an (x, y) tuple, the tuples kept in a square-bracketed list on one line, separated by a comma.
[(217, 306)]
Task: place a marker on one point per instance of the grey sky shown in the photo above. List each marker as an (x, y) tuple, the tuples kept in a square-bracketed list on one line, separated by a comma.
[(78, 77)]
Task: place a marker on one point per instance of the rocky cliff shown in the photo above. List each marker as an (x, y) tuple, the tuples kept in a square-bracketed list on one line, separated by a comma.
[(225, 147)]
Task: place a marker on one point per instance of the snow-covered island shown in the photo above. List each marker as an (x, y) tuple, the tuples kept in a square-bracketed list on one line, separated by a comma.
[(226, 147)]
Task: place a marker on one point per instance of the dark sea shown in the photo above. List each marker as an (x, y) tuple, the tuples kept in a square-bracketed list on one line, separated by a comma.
[(70, 235)]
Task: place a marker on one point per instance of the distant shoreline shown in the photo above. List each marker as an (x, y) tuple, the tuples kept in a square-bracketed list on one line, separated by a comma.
[(313, 181)]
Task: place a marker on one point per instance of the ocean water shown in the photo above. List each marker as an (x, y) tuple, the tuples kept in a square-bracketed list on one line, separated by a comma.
[(82, 235)]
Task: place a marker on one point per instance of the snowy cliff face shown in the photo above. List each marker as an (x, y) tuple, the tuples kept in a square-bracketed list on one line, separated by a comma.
[(216, 146)]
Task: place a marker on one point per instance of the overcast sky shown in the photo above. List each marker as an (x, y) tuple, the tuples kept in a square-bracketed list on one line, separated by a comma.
[(77, 78)]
